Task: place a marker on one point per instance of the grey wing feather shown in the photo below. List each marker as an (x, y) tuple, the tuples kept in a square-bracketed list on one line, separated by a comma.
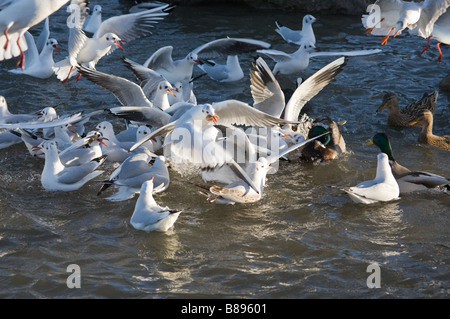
[(240, 113), (313, 85), (266, 91), (127, 92), (229, 46)]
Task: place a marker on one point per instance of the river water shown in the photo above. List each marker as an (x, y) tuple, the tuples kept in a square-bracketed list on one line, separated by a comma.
[(304, 239)]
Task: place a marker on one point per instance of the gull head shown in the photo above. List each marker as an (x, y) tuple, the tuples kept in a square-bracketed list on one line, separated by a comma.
[(193, 58), (97, 9), (308, 46), (309, 19), (52, 43), (166, 87), (113, 39), (209, 113)]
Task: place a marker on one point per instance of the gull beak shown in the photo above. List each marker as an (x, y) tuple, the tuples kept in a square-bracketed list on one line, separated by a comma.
[(286, 135), (36, 148), (55, 47), (170, 91), (213, 118), (100, 140), (117, 43), (70, 130)]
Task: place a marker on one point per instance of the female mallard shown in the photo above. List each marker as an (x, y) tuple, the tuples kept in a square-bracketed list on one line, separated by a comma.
[(401, 118), (407, 180), (426, 134)]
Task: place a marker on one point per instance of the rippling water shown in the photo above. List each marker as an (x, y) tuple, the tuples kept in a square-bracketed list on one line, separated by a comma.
[(302, 240)]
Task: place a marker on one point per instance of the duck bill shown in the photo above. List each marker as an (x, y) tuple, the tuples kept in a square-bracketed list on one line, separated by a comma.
[(413, 122), (369, 142), (381, 107)]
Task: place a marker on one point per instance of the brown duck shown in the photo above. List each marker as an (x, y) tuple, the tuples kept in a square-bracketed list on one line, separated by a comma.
[(426, 134), (401, 118)]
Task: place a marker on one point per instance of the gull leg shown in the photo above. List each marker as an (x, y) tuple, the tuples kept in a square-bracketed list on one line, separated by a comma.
[(427, 46), (385, 38), (440, 52)]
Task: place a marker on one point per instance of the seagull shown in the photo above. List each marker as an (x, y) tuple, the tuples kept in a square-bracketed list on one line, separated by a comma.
[(84, 150), (134, 171), (393, 16), (16, 18), (130, 95), (117, 151), (94, 20), (148, 215), (408, 181), (57, 177), (290, 63), (39, 61), (6, 117), (440, 33), (88, 51), (383, 188), (298, 61), (178, 70), (306, 34), (229, 72), (244, 192), (269, 98), (9, 138), (154, 85)]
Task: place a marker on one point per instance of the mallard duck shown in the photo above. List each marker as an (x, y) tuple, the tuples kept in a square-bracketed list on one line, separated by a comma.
[(401, 118), (426, 135), (383, 188), (408, 181), (326, 147)]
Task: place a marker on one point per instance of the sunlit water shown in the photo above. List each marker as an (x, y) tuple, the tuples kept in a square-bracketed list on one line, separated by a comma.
[(304, 239)]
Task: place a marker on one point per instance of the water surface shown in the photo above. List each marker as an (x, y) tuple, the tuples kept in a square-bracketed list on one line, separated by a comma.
[(304, 239)]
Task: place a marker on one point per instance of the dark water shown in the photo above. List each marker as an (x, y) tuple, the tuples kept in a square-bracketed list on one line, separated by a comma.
[(302, 240)]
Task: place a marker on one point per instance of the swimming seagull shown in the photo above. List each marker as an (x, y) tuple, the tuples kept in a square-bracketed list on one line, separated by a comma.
[(178, 70), (148, 215), (39, 60), (383, 188), (134, 171), (94, 20), (6, 117), (16, 18), (88, 51), (57, 177), (408, 181), (243, 192), (306, 34), (393, 16)]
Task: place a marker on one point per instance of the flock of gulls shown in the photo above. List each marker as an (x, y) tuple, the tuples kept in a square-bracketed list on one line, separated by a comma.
[(234, 146)]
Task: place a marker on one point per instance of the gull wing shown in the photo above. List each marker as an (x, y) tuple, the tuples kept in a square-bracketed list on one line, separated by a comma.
[(240, 113), (229, 46), (310, 87)]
